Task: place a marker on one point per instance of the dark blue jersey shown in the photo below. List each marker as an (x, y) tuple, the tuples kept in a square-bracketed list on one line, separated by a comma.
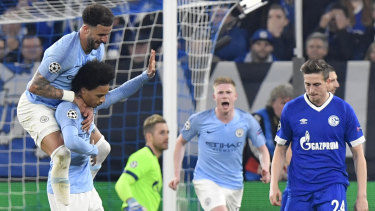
[(318, 137)]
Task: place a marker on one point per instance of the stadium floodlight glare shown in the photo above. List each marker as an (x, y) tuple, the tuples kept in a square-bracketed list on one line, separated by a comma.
[(250, 5)]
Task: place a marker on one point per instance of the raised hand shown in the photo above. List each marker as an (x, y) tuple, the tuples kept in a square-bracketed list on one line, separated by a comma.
[(86, 111), (151, 70)]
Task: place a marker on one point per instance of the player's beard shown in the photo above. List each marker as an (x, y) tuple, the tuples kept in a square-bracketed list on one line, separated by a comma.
[(91, 44)]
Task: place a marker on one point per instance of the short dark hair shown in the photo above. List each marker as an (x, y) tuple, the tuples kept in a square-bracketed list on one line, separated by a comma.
[(97, 14), (316, 66), (93, 74)]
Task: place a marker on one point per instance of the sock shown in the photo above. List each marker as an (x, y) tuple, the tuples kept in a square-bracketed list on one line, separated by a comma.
[(59, 175), (103, 150)]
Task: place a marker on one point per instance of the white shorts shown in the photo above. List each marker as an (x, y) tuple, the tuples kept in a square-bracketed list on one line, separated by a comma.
[(88, 201), (211, 195), (37, 119)]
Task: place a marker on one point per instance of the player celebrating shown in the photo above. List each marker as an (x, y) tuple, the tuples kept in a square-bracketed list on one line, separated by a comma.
[(222, 133), (51, 85), (318, 125), (140, 184), (91, 84)]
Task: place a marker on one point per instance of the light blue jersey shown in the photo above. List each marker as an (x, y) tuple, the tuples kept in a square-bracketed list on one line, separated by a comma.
[(61, 63), (318, 136), (69, 118), (221, 145)]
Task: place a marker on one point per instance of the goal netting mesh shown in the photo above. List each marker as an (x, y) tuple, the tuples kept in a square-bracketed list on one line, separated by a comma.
[(138, 28)]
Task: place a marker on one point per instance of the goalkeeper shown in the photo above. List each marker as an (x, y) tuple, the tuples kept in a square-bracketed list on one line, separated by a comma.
[(94, 93), (140, 183)]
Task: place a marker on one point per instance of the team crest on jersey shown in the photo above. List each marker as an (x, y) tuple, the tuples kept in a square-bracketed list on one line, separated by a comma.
[(239, 132), (134, 164), (333, 120), (187, 125), (54, 67), (72, 114)]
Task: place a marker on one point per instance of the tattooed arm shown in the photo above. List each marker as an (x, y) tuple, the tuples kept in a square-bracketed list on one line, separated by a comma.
[(42, 87)]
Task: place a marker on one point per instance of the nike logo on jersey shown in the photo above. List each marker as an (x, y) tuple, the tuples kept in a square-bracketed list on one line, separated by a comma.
[(210, 131)]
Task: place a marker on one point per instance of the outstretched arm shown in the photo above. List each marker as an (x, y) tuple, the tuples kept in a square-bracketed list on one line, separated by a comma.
[(178, 156), (361, 203), (278, 162), (130, 87), (264, 158)]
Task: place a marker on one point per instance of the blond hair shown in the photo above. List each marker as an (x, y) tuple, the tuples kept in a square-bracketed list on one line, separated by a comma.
[(150, 122), (223, 80)]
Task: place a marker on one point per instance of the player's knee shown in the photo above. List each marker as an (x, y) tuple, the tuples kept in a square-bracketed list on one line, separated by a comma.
[(61, 157)]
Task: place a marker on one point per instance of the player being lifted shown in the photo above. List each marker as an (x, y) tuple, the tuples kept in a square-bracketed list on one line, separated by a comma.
[(91, 84), (51, 85), (318, 125)]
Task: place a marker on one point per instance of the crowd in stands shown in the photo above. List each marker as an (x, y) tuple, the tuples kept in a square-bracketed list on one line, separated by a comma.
[(339, 30)]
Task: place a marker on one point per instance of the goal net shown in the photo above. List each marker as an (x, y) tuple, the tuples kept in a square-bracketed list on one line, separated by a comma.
[(138, 28)]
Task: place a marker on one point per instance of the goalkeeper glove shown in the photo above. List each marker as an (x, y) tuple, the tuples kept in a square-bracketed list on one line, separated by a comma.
[(133, 205)]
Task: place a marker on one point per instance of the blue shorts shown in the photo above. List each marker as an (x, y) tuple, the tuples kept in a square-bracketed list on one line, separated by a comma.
[(284, 199), (331, 198)]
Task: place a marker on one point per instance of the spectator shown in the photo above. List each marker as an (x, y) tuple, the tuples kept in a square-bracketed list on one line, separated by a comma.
[(261, 48), (336, 24), (359, 14), (316, 46), (233, 39), (31, 49), (31, 54), (268, 119), (12, 33), (283, 36), (361, 20)]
